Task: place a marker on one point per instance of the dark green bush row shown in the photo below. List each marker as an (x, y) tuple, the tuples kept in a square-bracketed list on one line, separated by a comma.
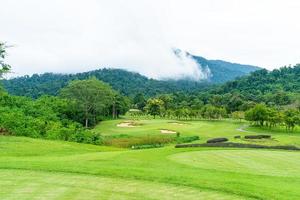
[(217, 140), (257, 136), (238, 145), (147, 146)]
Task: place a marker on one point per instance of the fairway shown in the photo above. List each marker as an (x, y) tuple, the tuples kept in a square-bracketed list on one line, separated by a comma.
[(18, 184), (272, 163)]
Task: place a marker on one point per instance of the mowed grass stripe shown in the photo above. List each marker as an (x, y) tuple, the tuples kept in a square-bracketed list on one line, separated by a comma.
[(262, 162), (47, 185)]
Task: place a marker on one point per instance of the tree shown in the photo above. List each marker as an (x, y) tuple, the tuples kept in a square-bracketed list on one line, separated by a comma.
[(154, 107), (212, 112), (258, 114), (139, 101), (291, 118), (120, 105), (4, 68), (238, 115), (167, 103), (91, 97)]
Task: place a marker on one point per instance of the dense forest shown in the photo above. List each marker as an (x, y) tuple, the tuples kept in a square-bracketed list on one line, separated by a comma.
[(264, 98), (128, 83)]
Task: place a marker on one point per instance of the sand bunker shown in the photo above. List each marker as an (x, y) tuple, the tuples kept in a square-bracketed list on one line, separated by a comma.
[(176, 123), (127, 125), (167, 131)]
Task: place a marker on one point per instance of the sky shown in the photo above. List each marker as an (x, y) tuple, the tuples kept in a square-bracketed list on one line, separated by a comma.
[(69, 36)]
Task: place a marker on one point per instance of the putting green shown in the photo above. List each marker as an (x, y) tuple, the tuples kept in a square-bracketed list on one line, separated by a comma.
[(22, 184), (263, 162)]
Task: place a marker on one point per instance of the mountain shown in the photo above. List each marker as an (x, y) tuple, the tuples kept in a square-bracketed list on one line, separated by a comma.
[(222, 71), (219, 71), (129, 83)]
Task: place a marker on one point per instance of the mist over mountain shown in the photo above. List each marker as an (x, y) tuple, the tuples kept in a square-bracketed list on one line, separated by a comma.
[(222, 71), (208, 72), (216, 71)]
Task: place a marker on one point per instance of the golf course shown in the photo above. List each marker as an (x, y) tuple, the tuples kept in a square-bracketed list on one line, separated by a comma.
[(47, 169)]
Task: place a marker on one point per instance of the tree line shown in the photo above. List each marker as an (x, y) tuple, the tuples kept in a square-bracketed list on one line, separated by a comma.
[(182, 106)]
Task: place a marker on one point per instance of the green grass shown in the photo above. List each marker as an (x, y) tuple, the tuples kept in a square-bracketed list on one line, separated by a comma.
[(42, 169), (271, 163), (18, 184), (204, 129)]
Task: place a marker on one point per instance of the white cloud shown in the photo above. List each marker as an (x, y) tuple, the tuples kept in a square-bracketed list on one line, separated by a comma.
[(75, 36)]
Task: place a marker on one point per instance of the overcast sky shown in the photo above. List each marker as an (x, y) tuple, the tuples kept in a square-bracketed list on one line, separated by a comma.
[(75, 36)]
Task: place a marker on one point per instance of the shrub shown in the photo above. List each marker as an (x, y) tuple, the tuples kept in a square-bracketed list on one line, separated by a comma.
[(216, 140), (257, 136), (146, 146), (186, 139)]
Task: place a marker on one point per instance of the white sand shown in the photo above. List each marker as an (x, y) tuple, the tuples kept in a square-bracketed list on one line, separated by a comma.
[(167, 131), (126, 125), (176, 123)]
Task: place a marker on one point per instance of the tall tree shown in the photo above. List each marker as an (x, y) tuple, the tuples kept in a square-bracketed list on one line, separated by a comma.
[(154, 107), (291, 119), (139, 101), (91, 97), (258, 114)]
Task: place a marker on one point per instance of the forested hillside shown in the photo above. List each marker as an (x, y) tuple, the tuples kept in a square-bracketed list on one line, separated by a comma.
[(262, 85), (127, 83)]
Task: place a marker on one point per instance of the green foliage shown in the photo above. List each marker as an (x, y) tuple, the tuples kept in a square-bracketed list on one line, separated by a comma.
[(43, 118), (291, 118), (239, 115), (277, 87), (154, 107), (93, 98), (4, 68), (186, 139), (139, 101), (257, 114), (268, 116), (126, 83)]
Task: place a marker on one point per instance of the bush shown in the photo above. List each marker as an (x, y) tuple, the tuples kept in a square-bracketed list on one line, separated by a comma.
[(186, 139), (237, 136), (147, 146), (257, 136), (216, 140)]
